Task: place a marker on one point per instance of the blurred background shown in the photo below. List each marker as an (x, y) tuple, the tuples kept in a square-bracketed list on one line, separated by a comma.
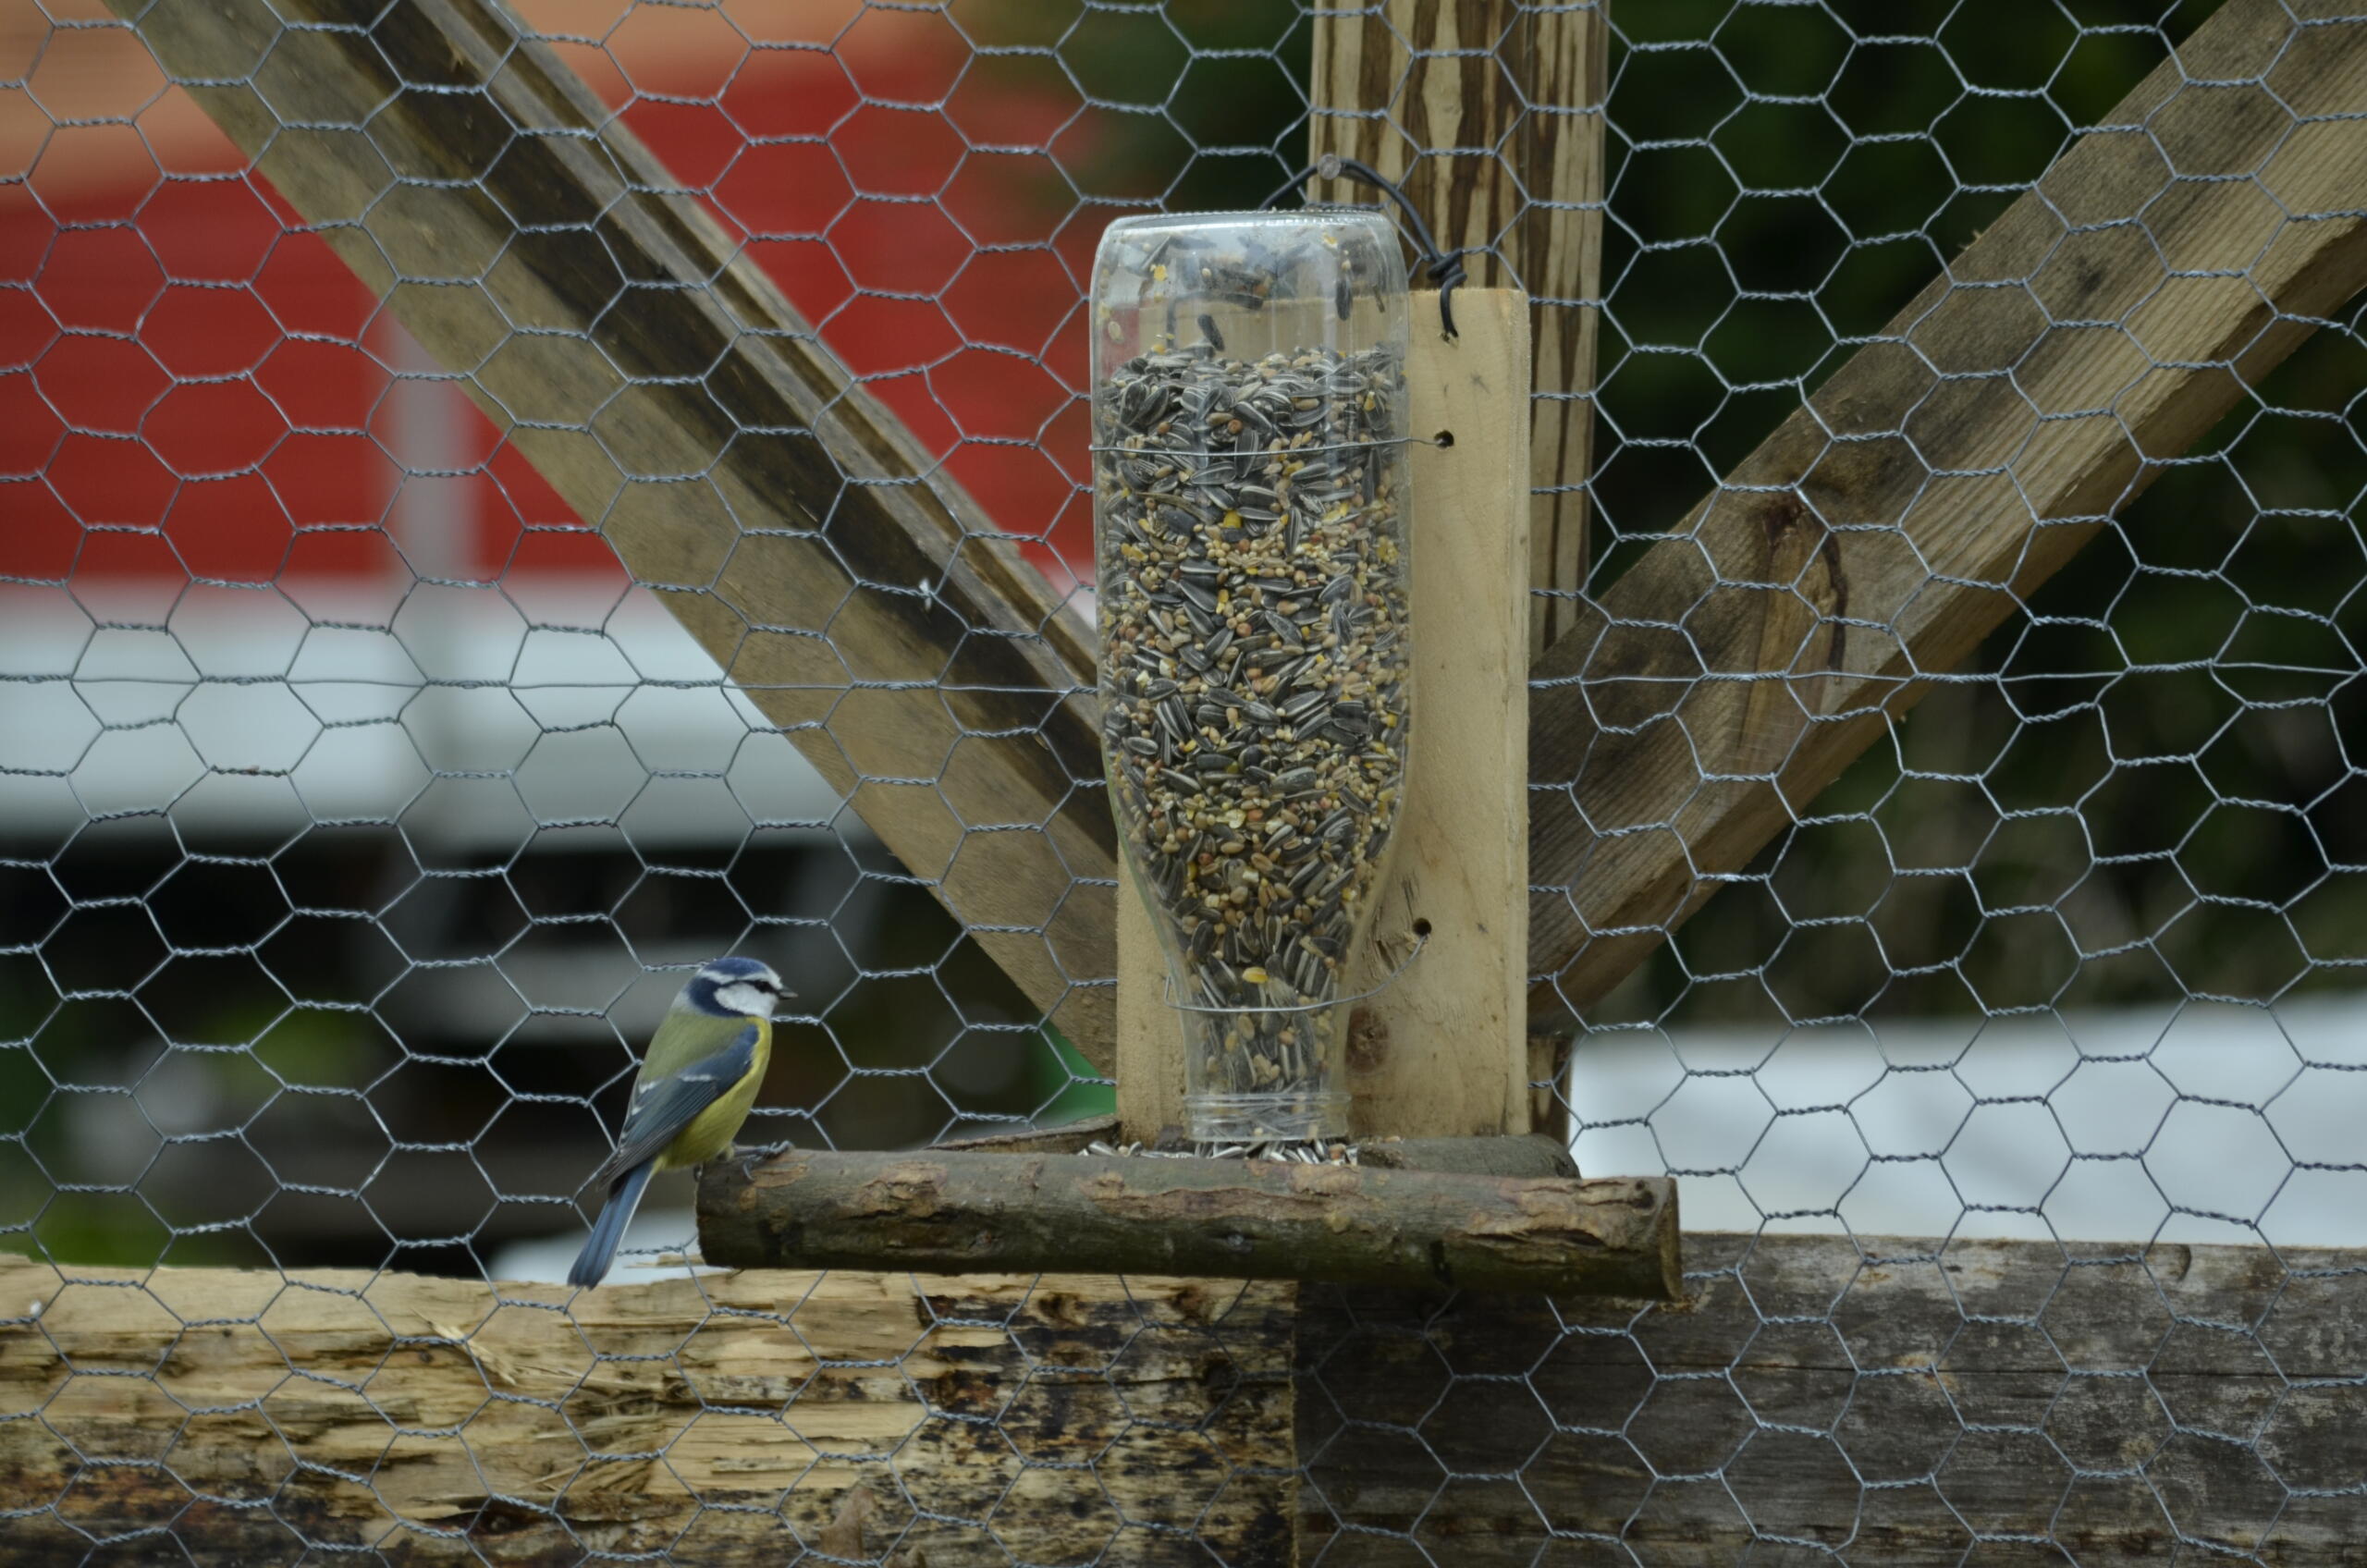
[(358, 813)]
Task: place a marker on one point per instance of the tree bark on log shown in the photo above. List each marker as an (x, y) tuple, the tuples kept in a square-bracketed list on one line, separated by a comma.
[(1229, 1219)]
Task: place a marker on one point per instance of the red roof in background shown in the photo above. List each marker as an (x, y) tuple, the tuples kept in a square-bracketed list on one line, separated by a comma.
[(186, 371)]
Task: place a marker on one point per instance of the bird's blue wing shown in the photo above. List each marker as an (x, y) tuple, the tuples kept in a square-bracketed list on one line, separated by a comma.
[(663, 1107)]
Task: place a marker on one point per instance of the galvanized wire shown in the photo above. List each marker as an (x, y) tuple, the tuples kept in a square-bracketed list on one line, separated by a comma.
[(358, 812)]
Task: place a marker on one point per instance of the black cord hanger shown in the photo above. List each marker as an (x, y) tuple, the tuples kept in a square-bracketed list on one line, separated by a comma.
[(1443, 268)]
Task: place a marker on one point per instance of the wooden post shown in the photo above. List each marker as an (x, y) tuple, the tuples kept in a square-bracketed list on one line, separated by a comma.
[(1443, 1051), (1490, 115)]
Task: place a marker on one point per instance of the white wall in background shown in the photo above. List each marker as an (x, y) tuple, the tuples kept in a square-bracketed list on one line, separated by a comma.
[(2200, 1122), (266, 710)]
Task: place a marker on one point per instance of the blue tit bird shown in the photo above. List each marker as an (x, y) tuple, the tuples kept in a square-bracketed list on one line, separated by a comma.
[(696, 1083)]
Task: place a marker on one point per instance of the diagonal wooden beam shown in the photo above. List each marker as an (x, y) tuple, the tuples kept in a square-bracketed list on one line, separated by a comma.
[(2168, 261), (657, 378)]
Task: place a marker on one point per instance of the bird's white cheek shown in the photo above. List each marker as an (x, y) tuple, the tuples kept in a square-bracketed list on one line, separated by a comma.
[(746, 1000)]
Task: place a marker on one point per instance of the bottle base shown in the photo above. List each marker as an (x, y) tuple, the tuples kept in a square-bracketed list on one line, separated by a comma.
[(1266, 1118)]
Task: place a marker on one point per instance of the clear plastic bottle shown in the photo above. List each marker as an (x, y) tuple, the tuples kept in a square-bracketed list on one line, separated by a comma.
[(1251, 531)]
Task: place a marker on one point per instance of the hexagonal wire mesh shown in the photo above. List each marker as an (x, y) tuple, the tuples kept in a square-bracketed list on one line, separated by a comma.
[(362, 808)]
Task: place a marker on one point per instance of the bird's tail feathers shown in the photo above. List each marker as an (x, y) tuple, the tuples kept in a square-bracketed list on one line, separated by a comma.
[(600, 1248)]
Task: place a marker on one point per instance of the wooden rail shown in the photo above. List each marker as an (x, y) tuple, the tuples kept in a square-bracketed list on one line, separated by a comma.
[(730, 1421), (1874, 1399), (1895, 1401)]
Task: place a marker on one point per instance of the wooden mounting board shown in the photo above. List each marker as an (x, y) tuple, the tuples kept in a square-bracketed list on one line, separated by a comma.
[(1444, 1050)]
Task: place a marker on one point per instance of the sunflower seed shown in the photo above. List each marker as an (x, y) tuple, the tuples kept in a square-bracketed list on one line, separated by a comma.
[(1253, 615)]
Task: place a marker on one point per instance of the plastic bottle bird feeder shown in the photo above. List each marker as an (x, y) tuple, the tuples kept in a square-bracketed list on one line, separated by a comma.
[(1322, 952), (1251, 497)]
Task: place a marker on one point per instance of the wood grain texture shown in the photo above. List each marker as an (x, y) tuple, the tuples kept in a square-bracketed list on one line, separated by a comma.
[(1443, 1051), (1910, 1403), (726, 1420), (1377, 1225), (629, 349), (1490, 116), (2102, 323)]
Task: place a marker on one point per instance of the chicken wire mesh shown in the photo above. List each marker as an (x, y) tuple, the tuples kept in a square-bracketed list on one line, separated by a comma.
[(362, 809)]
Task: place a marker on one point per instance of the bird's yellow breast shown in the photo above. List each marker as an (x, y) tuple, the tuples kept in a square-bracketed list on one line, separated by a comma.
[(711, 1132)]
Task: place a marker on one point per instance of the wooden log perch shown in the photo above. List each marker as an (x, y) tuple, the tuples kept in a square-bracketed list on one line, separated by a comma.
[(1230, 1219), (633, 353), (732, 1421), (2108, 319)]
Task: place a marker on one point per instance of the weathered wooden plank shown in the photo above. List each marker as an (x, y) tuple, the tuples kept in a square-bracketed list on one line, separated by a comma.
[(2103, 323), (728, 1419), (1891, 1400), (629, 349), (1233, 1219), (1441, 1052), (1887, 1399), (1490, 115)]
